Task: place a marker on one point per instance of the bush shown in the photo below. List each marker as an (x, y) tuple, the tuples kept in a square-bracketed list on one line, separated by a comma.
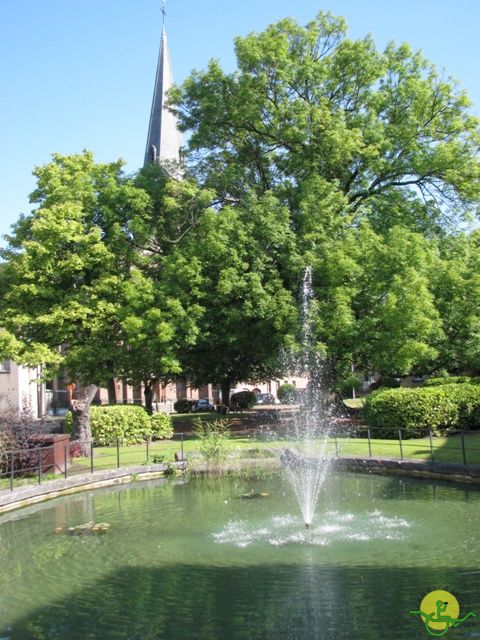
[(385, 382), (161, 425), (214, 437), (287, 393), (129, 423), (19, 432), (242, 400), (346, 385), (440, 382), (182, 405), (417, 411)]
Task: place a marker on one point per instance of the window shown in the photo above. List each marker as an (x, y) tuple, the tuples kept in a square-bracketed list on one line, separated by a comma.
[(5, 366)]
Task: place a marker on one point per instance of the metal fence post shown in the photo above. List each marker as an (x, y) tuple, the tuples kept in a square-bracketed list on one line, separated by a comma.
[(65, 461), (369, 443), (431, 446), (182, 447), (463, 448), (336, 445), (91, 457), (147, 447), (400, 443), (39, 461), (118, 454), (12, 472)]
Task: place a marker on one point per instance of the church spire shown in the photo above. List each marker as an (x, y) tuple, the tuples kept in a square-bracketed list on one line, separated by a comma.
[(164, 139)]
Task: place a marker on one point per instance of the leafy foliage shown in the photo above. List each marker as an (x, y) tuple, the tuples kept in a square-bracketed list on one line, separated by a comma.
[(440, 382), (242, 400), (417, 411), (287, 393), (19, 432), (161, 424), (129, 424), (373, 158), (183, 405), (349, 383), (214, 438), (248, 313)]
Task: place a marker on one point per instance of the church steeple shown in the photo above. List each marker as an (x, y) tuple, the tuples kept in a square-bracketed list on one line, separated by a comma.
[(164, 139)]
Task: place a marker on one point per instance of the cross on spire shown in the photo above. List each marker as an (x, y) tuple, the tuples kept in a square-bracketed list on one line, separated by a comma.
[(164, 10)]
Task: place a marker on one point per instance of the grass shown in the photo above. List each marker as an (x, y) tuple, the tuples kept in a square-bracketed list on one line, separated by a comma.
[(444, 450), (354, 403)]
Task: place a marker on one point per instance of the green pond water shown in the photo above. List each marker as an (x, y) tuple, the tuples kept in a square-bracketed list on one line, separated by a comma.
[(187, 559)]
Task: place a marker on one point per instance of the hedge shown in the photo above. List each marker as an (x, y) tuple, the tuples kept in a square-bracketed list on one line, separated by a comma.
[(440, 382), (242, 400), (129, 423), (182, 405), (161, 425), (417, 411), (287, 393)]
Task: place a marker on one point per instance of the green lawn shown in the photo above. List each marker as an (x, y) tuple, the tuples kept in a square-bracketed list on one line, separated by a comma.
[(354, 403), (444, 449)]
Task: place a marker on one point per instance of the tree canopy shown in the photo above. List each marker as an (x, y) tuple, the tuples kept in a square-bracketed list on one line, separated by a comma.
[(309, 103), (374, 155), (82, 295)]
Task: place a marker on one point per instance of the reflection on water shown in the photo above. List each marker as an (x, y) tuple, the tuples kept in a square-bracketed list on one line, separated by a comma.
[(194, 560)]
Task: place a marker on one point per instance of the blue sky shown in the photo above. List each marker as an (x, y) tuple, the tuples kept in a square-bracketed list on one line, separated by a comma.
[(80, 75)]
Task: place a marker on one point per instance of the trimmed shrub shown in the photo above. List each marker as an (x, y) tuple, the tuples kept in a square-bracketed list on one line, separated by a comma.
[(418, 411), (243, 400), (287, 393), (440, 382), (385, 382), (129, 423), (346, 385), (161, 425), (182, 405)]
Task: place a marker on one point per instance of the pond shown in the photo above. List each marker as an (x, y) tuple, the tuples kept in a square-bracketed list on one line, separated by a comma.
[(201, 558)]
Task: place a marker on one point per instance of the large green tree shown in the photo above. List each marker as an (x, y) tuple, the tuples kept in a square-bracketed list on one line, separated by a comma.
[(373, 153), (455, 283), (77, 293), (244, 255), (309, 102)]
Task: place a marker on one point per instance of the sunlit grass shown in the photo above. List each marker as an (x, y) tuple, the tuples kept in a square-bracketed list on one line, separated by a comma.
[(104, 458), (444, 449)]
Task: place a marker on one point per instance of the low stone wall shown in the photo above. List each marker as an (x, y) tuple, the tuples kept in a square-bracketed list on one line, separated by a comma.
[(434, 471), (50, 489), (32, 494)]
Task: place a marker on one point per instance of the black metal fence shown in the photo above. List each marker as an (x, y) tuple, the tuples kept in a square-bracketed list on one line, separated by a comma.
[(65, 459), (462, 447)]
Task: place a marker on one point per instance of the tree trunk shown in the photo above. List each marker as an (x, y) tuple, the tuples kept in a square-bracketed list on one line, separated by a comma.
[(148, 393), (80, 408), (225, 389), (112, 391)]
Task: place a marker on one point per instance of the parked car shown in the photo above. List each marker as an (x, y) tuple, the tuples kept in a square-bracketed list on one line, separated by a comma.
[(202, 405), (265, 398)]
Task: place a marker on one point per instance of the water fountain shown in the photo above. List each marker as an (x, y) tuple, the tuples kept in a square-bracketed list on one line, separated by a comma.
[(311, 428)]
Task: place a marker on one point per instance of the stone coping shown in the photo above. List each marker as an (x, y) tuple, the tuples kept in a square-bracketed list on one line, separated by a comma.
[(451, 472), (31, 494), (50, 489)]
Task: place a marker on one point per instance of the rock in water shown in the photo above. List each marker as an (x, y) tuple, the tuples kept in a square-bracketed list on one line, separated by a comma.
[(292, 458)]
